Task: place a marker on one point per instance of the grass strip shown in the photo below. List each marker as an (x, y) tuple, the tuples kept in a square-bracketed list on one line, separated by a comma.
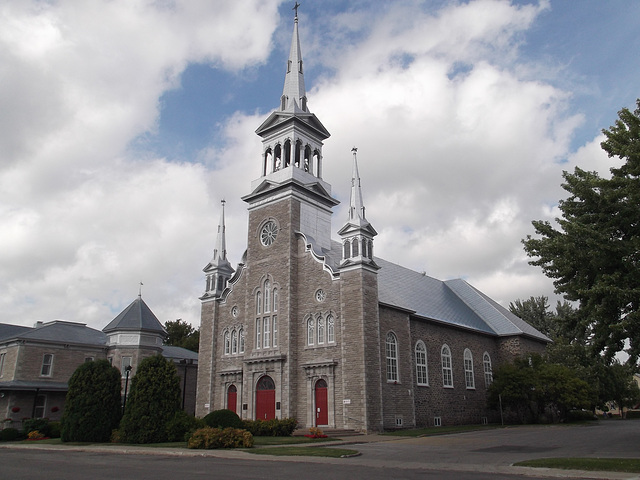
[(304, 451), (630, 465)]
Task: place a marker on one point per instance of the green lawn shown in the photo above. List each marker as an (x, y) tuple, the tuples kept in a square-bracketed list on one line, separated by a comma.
[(631, 465)]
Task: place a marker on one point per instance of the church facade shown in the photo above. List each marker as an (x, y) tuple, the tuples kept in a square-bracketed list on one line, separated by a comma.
[(321, 329)]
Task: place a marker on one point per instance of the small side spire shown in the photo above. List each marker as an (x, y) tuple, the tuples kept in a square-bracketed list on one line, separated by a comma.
[(294, 96), (219, 270), (356, 207), (220, 251)]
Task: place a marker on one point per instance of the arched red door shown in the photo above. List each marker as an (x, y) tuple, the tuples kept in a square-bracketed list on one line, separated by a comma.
[(265, 399), (322, 410), (232, 398)]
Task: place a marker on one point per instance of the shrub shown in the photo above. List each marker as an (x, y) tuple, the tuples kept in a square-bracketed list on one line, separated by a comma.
[(9, 434), (580, 415), (55, 429), (153, 402), (633, 413), (182, 426), (92, 408), (40, 424), (209, 438), (35, 435), (271, 428), (223, 419)]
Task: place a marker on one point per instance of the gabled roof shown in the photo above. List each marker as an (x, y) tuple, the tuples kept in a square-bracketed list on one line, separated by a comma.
[(136, 317), (452, 302), (57, 331)]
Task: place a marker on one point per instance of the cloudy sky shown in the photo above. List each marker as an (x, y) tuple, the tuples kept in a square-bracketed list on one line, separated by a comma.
[(125, 122)]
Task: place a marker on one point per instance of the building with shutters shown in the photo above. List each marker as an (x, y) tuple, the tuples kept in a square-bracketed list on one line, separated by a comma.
[(322, 329)]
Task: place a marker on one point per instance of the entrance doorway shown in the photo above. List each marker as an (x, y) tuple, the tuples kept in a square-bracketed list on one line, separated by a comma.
[(322, 410), (265, 398), (232, 398)]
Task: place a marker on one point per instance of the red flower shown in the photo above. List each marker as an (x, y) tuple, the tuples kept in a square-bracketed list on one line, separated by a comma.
[(15, 409)]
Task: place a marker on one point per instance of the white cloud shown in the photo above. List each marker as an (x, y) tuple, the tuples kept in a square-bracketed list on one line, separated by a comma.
[(459, 146)]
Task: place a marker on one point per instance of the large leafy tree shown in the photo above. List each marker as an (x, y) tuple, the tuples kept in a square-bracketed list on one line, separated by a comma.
[(154, 401), (594, 255), (182, 334), (92, 407)]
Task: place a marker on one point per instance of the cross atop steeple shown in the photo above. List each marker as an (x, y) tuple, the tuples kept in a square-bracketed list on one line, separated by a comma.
[(295, 7), (219, 269), (294, 96)]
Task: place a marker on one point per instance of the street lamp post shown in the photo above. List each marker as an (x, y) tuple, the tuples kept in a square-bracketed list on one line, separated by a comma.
[(127, 369)]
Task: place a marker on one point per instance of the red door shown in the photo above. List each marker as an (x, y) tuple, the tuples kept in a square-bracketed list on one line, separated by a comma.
[(265, 399), (232, 398), (322, 412)]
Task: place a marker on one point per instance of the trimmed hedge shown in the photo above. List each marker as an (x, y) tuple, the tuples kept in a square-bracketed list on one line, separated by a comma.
[(9, 434), (271, 428), (210, 438), (223, 419)]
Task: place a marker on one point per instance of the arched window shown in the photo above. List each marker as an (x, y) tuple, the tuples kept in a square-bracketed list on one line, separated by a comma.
[(268, 162), (468, 369), (258, 303), (447, 370), (422, 374), (277, 152), (275, 331), (258, 333), (364, 247), (267, 296), (321, 331), (287, 153), (227, 343), (354, 247), (275, 299), (234, 342), (241, 340), (346, 253), (391, 349), (488, 371), (370, 250), (310, 331), (331, 335)]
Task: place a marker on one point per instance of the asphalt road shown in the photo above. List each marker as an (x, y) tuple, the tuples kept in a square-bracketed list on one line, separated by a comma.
[(468, 456)]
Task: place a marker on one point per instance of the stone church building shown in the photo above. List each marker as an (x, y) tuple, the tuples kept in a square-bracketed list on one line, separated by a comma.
[(321, 329)]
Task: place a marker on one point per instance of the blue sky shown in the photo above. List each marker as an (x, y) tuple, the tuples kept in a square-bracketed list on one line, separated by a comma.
[(126, 122)]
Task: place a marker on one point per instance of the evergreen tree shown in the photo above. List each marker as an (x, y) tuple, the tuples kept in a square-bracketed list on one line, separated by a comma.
[(152, 403), (594, 257), (182, 334), (92, 408)]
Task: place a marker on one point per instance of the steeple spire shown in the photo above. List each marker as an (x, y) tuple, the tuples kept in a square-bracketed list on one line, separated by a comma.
[(220, 252), (219, 270), (356, 207), (294, 96), (357, 234)]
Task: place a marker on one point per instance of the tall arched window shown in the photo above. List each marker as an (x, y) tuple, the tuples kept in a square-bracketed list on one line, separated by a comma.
[(241, 340), (275, 299), (258, 303), (488, 371), (468, 369), (331, 334), (354, 247), (346, 253), (234, 342), (267, 296), (391, 349), (227, 343), (447, 371), (321, 331), (310, 331), (422, 374)]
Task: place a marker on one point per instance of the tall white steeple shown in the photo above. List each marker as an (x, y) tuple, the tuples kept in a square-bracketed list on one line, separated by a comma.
[(357, 234), (219, 270), (294, 97)]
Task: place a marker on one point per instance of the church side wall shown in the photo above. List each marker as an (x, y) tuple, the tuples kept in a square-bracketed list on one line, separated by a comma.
[(398, 396), (457, 405)]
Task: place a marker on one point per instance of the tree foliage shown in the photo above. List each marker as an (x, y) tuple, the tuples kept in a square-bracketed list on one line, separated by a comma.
[(594, 257), (535, 311), (92, 408), (152, 403), (536, 390), (182, 334)]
